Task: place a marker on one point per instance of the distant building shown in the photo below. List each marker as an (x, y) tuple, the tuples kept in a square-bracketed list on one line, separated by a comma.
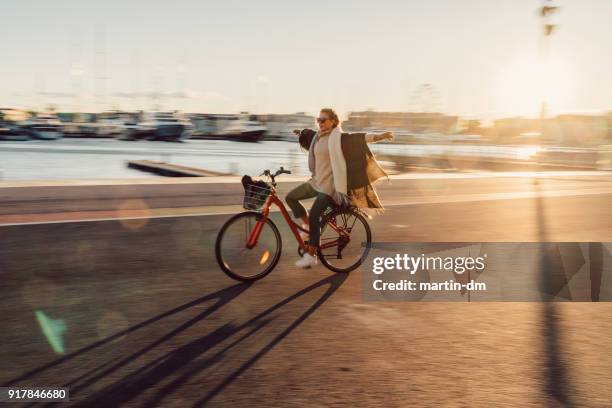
[(412, 122), (569, 130)]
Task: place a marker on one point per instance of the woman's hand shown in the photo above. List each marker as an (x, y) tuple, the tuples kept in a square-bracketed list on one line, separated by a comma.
[(386, 136), (373, 138)]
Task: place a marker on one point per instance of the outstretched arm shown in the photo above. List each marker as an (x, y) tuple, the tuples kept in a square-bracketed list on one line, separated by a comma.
[(369, 137), (373, 138)]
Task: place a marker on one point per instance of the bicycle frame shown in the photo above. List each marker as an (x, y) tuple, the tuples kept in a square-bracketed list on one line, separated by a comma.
[(295, 228)]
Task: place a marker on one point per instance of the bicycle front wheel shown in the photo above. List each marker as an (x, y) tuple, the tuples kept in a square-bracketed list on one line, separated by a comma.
[(242, 261), (345, 240)]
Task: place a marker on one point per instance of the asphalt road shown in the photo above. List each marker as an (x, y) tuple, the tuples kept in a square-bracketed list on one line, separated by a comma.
[(151, 320)]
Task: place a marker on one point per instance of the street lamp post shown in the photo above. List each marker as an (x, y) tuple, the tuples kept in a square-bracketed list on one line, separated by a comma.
[(548, 28)]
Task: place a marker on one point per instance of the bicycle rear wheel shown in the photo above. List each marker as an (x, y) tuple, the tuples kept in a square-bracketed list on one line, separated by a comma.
[(239, 261), (345, 240)]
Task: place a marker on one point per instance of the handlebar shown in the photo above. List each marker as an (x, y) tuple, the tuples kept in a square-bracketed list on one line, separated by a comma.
[(278, 172)]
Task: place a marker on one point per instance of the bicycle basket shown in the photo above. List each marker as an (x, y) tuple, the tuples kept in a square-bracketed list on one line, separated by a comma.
[(255, 195)]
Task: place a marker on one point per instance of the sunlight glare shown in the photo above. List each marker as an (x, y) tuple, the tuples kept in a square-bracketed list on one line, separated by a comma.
[(528, 152), (525, 84)]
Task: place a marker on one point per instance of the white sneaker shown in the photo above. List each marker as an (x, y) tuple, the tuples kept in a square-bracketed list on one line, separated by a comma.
[(306, 261)]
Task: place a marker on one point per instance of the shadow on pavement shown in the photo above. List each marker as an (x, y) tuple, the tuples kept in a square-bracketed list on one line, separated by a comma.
[(556, 386), (187, 355), (223, 297)]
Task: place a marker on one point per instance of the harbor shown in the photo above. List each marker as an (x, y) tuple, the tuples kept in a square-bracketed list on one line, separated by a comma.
[(55, 145), (83, 159)]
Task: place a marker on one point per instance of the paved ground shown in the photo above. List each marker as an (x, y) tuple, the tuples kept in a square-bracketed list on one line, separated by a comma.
[(151, 320)]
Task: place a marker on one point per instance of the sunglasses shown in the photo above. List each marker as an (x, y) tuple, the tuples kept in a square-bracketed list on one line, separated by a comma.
[(322, 120)]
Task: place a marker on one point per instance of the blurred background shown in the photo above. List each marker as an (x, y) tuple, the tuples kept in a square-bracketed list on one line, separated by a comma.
[(509, 84)]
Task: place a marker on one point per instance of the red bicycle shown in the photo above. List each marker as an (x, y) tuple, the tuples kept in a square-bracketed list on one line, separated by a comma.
[(249, 244)]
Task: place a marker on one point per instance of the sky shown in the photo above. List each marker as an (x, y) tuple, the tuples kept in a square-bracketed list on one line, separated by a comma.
[(481, 58)]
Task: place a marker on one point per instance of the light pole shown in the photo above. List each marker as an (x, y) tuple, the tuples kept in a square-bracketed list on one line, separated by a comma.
[(548, 9)]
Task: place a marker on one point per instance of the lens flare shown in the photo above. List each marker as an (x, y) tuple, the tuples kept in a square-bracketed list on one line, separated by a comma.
[(111, 323), (53, 329), (133, 214), (264, 257)]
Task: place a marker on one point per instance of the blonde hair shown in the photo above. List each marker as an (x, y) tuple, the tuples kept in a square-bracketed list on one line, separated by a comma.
[(333, 116)]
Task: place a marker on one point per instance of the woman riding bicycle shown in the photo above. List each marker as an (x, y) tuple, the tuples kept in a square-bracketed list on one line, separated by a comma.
[(343, 170)]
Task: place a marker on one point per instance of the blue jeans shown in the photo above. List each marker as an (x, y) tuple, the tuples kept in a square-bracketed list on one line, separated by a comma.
[(302, 192), (321, 204)]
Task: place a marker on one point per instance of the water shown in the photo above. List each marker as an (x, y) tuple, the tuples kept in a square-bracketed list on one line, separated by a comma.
[(106, 158)]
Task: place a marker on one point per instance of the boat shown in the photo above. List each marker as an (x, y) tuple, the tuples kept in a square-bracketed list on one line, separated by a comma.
[(241, 128), (44, 126), (206, 125), (244, 129), (9, 124), (79, 124), (282, 126), (164, 126), (118, 124)]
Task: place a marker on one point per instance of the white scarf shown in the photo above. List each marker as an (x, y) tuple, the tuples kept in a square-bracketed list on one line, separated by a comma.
[(338, 163)]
